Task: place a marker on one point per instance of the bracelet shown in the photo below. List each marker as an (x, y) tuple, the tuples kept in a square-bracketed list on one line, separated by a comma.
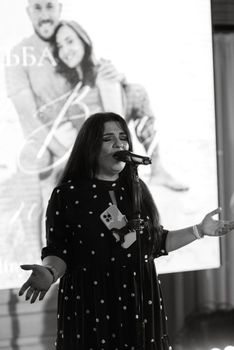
[(53, 272), (196, 233)]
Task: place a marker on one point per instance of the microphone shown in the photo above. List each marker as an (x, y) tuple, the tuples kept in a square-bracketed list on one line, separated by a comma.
[(129, 157)]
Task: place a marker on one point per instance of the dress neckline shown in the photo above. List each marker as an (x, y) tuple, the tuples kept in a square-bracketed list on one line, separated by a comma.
[(93, 183), (107, 184)]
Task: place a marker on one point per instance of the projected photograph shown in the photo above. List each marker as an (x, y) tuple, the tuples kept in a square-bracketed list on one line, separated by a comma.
[(135, 59)]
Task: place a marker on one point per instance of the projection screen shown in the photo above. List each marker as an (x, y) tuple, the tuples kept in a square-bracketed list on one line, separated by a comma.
[(166, 48)]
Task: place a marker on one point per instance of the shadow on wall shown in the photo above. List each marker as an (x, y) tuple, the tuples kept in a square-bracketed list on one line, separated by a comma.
[(12, 309), (207, 329), (50, 320), (25, 326)]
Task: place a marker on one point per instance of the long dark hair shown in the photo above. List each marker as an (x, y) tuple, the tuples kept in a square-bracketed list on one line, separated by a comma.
[(87, 64), (83, 161)]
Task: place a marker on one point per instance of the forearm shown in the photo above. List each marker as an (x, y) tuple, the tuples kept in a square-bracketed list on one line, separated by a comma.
[(56, 147), (58, 266), (180, 238), (31, 125)]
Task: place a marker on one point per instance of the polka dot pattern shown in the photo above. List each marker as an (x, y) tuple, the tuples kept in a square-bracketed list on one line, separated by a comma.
[(98, 298)]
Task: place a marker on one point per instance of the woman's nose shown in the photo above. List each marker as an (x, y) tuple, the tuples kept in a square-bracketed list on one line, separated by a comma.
[(45, 16), (64, 51), (119, 144)]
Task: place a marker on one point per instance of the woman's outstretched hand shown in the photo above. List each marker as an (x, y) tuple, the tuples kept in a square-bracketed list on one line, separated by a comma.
[(37, 284), (211, 227)]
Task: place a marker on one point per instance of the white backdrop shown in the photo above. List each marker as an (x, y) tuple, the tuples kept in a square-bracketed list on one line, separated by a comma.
[(167, 47)]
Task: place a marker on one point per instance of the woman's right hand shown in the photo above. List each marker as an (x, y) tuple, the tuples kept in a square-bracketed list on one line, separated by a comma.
[(38, 283)]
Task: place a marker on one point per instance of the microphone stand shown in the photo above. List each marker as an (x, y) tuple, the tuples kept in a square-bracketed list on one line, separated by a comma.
[(136, 225)]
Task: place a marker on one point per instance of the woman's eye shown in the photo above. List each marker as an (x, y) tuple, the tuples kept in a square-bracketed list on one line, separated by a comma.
[(106, 140), (123, 138), (50, 7)]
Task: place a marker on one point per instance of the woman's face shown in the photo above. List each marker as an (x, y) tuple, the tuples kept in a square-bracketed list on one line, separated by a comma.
[(113, 139), (71, 49)]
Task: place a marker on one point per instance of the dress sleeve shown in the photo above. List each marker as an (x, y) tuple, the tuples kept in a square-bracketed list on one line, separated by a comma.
[(57, 235), (160, 242)]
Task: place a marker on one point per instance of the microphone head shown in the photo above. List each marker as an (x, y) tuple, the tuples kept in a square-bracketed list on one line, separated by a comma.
[(129, 157), (121, 155)]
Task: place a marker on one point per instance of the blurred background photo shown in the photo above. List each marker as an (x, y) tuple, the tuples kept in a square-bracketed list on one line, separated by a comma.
[(174, 86)]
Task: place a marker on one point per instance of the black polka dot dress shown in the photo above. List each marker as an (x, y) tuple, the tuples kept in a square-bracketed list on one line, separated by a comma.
[(98, 300)]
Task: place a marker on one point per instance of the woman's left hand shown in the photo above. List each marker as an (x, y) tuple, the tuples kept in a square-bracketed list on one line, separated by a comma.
[(211, 227), (107, 71)]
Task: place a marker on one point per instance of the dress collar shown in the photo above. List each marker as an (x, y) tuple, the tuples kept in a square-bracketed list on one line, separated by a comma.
[(105, 184)]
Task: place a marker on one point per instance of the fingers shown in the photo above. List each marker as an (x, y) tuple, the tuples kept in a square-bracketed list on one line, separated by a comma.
[(34, 296), (106, 67), (42, 294), (226, 223), (108, 74), (224, 226), (216, 211), (229, 223), (27, 284), (24, 287), (145, 130), (32, 286), (27, 267), (29, 293), (107, 70), (101, 60), (222, 231)]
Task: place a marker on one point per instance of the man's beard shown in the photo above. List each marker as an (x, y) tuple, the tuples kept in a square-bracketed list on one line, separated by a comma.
[(43, 38), (47, 39)]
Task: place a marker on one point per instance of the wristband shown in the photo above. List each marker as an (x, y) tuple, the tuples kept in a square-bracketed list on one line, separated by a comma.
[(53, 272), (196, 232)]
